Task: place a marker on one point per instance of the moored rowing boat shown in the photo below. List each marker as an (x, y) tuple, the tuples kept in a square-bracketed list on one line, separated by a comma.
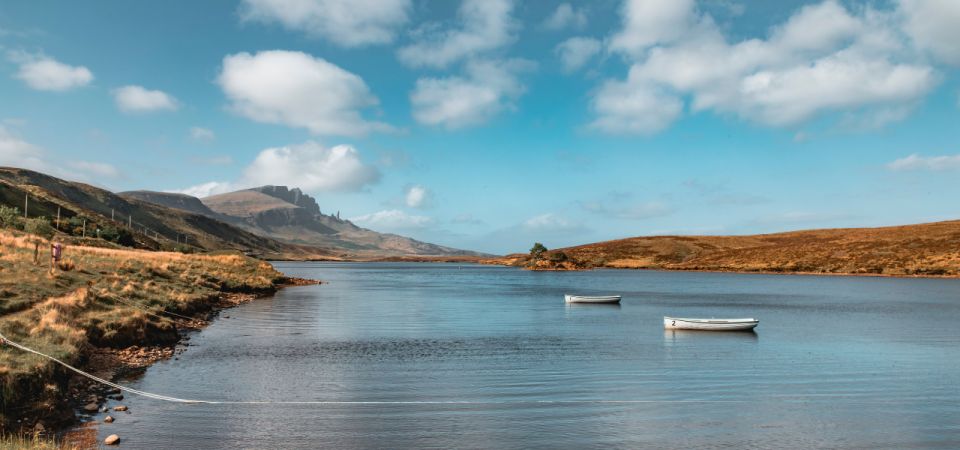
[(591, 299), (677, 323)]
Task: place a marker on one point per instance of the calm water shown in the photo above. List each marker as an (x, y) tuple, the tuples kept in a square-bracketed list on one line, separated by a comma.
[(836, 362)]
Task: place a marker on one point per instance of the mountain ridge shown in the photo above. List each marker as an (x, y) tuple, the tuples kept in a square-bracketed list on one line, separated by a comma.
[(291, 216), (146, 225)]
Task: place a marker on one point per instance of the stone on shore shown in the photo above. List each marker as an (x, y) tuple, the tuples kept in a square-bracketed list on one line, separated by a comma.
[(112, 440), (108, 419), (91, 407), (120, 408)]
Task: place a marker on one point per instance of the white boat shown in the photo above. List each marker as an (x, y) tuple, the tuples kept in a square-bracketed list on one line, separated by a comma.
[(677, 323), (591, 299)]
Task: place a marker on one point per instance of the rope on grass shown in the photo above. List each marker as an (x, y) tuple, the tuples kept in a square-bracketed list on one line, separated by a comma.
[(5, 340)]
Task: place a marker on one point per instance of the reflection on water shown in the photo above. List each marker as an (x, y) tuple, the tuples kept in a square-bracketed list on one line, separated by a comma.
[(700, 336), (503, 362)]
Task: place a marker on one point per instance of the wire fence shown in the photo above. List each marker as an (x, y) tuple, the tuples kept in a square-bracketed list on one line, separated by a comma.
[(134, 226)]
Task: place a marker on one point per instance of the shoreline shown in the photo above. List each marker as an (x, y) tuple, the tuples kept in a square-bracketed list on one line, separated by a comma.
[(82, 398), (133, 360), (731, 271), (119, 364)]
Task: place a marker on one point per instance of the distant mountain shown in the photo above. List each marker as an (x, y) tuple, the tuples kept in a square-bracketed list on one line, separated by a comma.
[(929, 249), (290, 216), (152, 225)]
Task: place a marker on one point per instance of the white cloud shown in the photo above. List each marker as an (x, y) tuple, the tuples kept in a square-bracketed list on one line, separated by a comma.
[(566, 16), (95, 169), (206, 189), (649, 22), (137, 99), (311, 167), (47, 74), (485, 25), (202, 134), (392, 219), (576, 51), (837, 82), (298, 90), (417, 196), (932, 163), (348, 23), (933, 25), (633, 108), (456, 102), (855, 63), (16, 152)]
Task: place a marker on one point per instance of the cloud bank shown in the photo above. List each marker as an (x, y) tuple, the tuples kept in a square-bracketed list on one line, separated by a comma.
[(858, 62)]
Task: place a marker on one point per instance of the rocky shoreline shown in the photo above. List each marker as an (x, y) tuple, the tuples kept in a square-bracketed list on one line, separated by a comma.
[(83, 399)]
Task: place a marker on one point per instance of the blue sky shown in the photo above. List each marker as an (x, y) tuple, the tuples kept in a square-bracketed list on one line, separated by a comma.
[(492, 124)]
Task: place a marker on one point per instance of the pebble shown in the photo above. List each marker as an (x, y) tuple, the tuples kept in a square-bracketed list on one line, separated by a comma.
[(112, 440), (92, 407), (120, 408), (108, 419)]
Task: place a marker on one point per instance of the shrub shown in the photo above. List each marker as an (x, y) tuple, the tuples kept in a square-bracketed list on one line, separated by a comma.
[(10, 217), (558, 257), (118, 235)]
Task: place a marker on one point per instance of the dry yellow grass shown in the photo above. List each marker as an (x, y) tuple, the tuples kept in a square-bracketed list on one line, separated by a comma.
[(931, 249), (33, 441)]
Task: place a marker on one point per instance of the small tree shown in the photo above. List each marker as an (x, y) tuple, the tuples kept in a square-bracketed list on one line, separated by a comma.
[(39, 226), (537, 251)]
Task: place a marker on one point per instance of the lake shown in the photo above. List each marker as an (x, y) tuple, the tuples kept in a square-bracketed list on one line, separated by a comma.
[(444, 355)]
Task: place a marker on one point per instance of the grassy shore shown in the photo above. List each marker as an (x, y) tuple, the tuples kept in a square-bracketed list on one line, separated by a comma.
[(922, 250), (99, 298)]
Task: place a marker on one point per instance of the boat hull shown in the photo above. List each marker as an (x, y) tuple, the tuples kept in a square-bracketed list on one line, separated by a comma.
[(597, 299), (677, 323)]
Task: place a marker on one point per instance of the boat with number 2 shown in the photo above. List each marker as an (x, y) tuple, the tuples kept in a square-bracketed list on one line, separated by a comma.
[(677, 323)]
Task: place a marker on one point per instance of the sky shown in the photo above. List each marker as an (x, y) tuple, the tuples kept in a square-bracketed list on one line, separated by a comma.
[(492, 124)]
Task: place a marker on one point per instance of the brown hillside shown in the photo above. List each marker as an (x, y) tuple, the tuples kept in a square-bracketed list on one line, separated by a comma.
[(931, 249)]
